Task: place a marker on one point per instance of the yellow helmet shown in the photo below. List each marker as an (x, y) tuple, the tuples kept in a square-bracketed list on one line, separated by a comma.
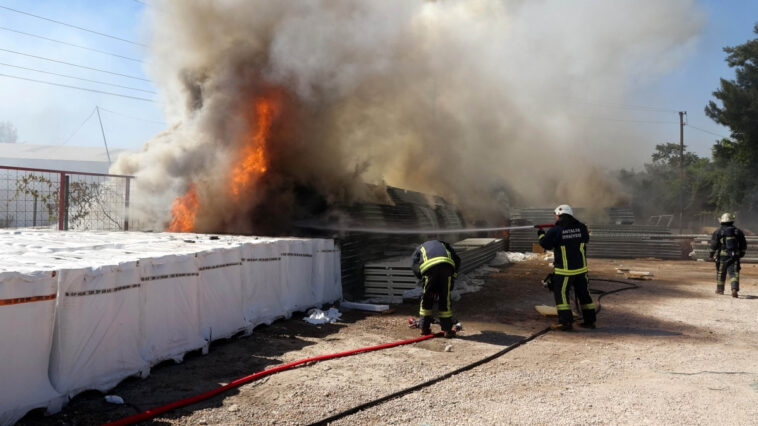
[(726, 217)]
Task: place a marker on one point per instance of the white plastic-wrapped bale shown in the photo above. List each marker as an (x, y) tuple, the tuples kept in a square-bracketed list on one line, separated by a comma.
[(96, 343), (27, 309), (220, 292)]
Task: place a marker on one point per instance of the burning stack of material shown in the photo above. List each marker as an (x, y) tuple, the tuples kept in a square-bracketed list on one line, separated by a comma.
[(404, 210), (612, 237), (267, 97)]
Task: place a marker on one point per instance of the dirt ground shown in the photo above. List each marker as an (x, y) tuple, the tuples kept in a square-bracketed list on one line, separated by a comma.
[(668, 352)]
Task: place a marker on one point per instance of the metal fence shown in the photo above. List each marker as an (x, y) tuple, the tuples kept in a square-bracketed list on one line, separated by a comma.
[(63, 200)]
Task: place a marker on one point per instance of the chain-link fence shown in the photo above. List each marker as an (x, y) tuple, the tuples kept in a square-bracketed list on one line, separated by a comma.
[(63, 200)]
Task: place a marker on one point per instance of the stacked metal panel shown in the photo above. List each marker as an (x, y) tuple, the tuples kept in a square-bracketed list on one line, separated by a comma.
[(607, 240), (633, 245), (386, 280), (408, 210), (475, 252), (701, 248)]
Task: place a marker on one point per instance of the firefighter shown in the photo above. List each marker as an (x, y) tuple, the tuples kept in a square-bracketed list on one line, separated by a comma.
[(436, 264), (568, 239), (728, 245)]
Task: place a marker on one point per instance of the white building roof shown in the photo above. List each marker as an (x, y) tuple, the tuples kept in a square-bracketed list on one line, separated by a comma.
[(58, 157)]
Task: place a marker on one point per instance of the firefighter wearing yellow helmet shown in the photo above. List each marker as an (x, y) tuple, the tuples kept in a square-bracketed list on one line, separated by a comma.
[(728, 245), (568, 239)]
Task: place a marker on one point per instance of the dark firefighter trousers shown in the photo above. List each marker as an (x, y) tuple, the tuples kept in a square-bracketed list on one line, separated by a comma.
[(728, 266), (580, 283), (438, 283)]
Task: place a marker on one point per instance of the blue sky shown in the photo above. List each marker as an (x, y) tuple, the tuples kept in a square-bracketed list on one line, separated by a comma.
[(53, 115), (690, 87)]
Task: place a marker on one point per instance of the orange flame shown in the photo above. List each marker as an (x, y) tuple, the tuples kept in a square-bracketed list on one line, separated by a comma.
[(254, 161), (183, 211)]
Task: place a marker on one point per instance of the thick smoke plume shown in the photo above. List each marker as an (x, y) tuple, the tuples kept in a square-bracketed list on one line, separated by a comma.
[(457, 98)]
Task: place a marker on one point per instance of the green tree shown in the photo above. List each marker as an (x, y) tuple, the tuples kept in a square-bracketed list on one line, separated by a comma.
[(735, 186), (659, 188)]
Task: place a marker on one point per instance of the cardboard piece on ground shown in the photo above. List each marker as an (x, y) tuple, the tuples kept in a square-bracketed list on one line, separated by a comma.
[(363, 306), (549, 311), (546, 310), (638, 275)]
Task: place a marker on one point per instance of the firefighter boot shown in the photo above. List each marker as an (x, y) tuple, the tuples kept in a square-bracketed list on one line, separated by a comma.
[(720, 289), (447, 327), (425, 324), (734, 292)]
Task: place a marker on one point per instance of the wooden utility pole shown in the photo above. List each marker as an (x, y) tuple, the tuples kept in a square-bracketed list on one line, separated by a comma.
[(681, 169)]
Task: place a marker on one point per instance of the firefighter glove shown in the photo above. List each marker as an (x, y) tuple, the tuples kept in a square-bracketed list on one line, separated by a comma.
[(547, 282), (540, 232)]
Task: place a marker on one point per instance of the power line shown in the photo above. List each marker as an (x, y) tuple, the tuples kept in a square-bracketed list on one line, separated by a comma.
[(638, 121), (72, 26), (74, 65), (627, 106), (132, 117), (78, 88), (71, 44), (707, 131), (78, 128), (77, 78), (626, 121)]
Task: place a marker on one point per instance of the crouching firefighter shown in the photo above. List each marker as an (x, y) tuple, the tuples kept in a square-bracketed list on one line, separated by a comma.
[(568, 239), (436, 264), (728, 245)]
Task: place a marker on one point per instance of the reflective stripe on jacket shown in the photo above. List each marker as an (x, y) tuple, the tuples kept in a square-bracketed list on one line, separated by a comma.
[(432, 253), (568, 239)]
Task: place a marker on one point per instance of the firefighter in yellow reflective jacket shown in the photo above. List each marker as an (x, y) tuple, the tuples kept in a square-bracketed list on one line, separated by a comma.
[(568, 239), (728, 245), (436, 264)]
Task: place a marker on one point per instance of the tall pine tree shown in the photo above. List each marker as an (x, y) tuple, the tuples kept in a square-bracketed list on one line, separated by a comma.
[(737, 184)]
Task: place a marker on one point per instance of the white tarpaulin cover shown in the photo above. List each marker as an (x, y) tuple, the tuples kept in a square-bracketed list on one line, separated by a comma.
[(96, 307), (297, 275), (170, 320), (325, 274), (27, 309), (220, 286), (84, 310), (261, 274)]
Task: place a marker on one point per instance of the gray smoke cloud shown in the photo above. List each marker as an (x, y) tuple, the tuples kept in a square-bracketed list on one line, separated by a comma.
[(456, 98)]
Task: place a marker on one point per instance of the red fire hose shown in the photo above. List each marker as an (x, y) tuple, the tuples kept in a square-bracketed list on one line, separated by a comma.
[(149, 414)]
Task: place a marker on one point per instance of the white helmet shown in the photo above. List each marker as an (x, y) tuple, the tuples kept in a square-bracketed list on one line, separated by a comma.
[(564, 209), (726, 217)]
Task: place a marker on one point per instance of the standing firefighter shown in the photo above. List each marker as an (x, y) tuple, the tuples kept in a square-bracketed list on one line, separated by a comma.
[(568, 240), (728, 245), (436, 264)]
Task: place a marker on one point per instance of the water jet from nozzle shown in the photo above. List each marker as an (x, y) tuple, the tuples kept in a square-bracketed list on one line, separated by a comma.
[(412, 231)]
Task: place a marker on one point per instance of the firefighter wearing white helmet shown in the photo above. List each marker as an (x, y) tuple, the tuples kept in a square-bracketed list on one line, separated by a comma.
[(568, 239), (728, 246), (564, 209)]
